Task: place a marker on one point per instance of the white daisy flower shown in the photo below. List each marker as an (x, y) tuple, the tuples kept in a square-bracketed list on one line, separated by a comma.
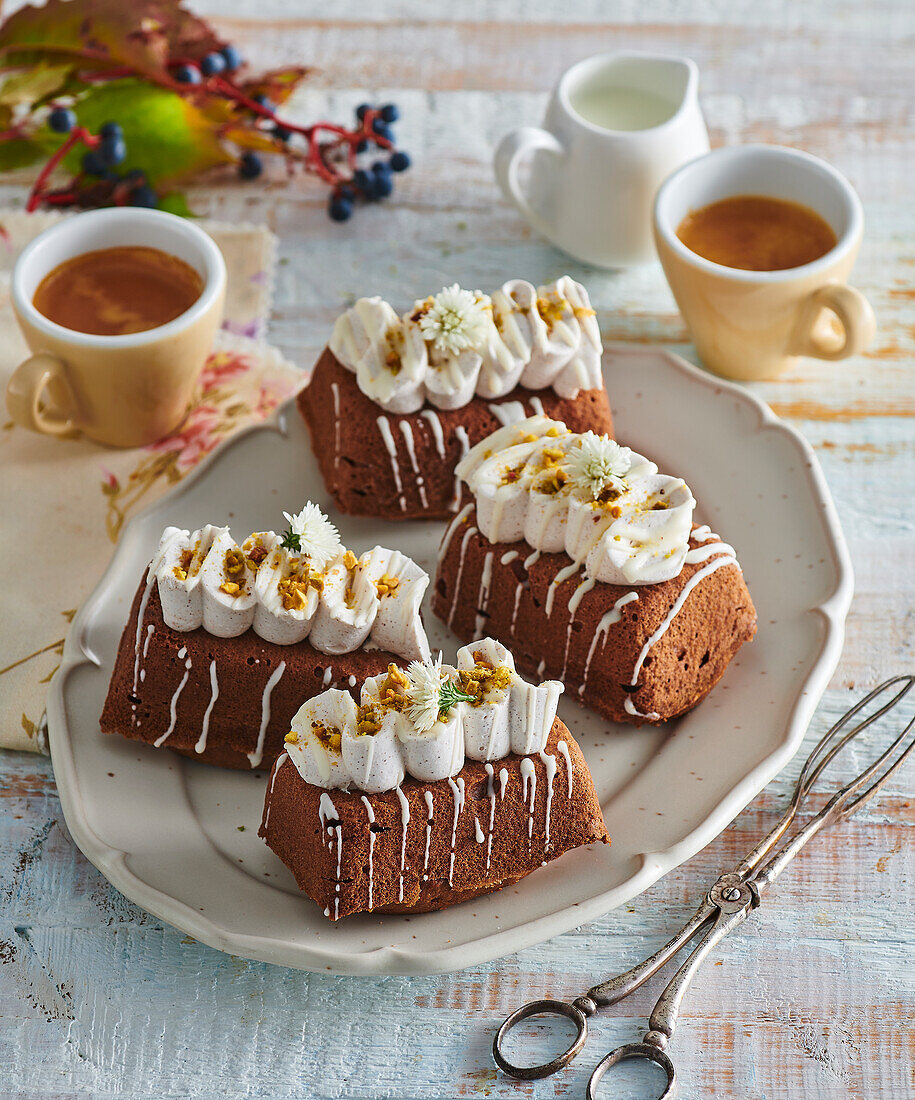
[(311, 533), (455, 320), (431, 694), (598, 462)]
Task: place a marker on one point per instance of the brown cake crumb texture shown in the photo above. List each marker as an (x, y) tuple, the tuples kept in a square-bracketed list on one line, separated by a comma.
[(355, 458), (243, 667), (348, 863), (477, 594)]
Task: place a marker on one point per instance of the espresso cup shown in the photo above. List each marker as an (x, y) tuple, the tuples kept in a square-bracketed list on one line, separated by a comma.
[(125, 390), (753, 325), (616, 126)]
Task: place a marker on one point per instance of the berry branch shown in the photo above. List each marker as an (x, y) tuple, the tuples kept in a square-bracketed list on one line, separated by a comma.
[(219, 117)]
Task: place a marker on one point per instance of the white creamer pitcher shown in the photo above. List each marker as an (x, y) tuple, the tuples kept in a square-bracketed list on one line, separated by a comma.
[(616, 126)]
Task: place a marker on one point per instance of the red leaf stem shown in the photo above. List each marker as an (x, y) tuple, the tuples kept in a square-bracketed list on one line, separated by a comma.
[(77, 134)]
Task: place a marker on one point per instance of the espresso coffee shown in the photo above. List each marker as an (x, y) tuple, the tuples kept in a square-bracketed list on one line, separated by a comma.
[(756, 233), (113, 291)]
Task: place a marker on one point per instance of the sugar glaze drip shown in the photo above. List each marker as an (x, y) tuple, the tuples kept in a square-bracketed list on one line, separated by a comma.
[(214, 695), (257, 756)]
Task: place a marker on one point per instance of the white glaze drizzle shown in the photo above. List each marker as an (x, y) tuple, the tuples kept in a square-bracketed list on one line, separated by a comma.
[(464, 439), (503, 782), (173, 705), (430, 805), (491, 791), (478, 832), (404, 822), (281, 760), (258, 755), (452, 527), (150, 580), (384, 429), (508, 556), (214, 695), (549, 764), (435, 426), (518, 592), (370, 817), (150, 630), (483, 594), (586, 585), (537, 405), (328, 676), (630, 708), (541, 667), (561, 577), (468, 535), (351, 681), (457, 790), (336, 392), (328, 811), (696, 578), (509, 412), (703, 534), (529, 775), (708, 550), (563, 747), (612, 616), (407, 433)]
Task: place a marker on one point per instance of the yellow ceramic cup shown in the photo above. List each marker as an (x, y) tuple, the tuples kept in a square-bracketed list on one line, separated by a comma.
[(121, 390), (753, 325)]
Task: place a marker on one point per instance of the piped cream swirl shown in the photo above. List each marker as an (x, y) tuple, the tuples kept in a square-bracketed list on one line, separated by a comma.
[(334, 743), (530, 483), (538, 337), (205, 579)]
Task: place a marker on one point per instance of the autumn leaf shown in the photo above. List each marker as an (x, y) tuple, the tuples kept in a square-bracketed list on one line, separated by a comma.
[(278, 84), (107, 34), (166, 135), (34, 84)]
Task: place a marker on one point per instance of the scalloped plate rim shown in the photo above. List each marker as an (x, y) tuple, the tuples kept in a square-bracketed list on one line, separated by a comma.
[(113, 863)]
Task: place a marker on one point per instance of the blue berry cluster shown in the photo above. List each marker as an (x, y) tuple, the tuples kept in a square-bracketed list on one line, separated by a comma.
[(376, 182), (226, 60), (102, 161)]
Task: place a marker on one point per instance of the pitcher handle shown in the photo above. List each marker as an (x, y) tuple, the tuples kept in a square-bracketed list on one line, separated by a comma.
[(512, 148), (25, 390), (855, 316)]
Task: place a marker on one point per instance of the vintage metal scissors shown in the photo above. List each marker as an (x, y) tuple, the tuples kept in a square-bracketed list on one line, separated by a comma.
[(726, 905)]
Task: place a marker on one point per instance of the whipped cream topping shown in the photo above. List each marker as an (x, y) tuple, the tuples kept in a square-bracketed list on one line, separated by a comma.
[(458, 344), (319, 591), (605, 506), (422, 722)]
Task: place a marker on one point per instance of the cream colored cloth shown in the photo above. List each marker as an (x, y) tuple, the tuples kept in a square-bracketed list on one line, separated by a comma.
[(63, 502)]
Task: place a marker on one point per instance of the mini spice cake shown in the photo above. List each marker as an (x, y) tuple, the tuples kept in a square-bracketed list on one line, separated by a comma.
[(583, 558), (225, 641), (444, 783), (395, 402)]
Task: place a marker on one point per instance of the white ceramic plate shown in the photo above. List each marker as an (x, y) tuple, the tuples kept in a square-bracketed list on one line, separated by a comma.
[(166, 831)]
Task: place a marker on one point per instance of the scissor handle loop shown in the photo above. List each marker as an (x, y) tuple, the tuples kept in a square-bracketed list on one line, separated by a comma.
[(650, 1052), (540, 1008)]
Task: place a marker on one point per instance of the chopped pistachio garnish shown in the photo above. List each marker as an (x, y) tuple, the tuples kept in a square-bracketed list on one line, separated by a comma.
[(386, 585), (482, 679), (350, 561), (180, 573), (291, 738), (329, 736)]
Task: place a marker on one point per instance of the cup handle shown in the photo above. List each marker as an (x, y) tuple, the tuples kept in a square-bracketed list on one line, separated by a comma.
[(512, 148), (855, 317), (25, 390)]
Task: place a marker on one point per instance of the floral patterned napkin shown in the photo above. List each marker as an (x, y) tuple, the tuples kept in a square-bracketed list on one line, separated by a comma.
[(63, 502)]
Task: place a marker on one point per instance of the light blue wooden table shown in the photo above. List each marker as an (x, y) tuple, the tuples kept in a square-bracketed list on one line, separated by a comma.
[(813, 996)]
